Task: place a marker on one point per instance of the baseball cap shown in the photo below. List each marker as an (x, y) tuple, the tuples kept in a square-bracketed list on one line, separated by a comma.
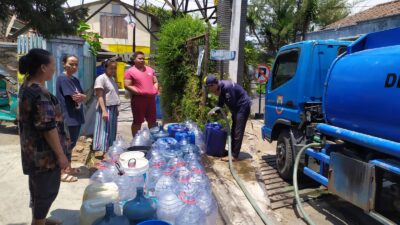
[(211, 79)]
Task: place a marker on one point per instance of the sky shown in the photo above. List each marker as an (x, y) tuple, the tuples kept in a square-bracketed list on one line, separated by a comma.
[(159, 3), (363, 5)]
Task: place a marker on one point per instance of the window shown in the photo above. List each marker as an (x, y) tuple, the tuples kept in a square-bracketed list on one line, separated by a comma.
[(285, 67), (113, 27), (341, 50)]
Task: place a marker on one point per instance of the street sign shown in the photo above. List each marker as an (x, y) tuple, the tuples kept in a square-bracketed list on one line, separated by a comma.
[(261, 75), (219, 54)]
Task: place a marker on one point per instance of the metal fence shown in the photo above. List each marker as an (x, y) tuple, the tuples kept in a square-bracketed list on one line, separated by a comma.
[(60, 47)]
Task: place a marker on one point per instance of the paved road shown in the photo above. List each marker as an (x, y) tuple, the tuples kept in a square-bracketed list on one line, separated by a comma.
[(14, 193)]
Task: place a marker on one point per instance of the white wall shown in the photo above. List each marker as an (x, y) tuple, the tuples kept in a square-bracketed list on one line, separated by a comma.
[(142, 36)]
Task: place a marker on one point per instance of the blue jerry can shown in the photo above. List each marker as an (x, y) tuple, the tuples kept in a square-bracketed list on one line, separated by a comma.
[(215, 139)]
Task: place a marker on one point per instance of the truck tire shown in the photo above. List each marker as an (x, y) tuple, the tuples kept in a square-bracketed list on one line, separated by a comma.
[(284, 156)]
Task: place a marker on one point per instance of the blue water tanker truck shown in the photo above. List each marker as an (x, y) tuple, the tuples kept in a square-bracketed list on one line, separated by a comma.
[(343, 97)]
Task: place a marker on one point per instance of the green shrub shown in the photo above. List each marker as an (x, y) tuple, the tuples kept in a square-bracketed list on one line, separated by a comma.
[(180, 88)]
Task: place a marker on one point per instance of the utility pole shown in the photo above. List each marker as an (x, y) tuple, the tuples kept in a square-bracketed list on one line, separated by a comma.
[(237, 39), (134, 28)]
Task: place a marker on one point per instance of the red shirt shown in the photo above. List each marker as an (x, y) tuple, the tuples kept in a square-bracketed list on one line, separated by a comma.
[(142, 80)]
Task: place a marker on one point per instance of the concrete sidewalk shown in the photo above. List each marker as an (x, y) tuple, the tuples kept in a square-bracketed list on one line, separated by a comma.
[(14, 192), (234, 206)]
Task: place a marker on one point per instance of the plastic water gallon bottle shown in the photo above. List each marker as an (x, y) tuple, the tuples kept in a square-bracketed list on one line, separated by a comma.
[(200, 180), (127, 189), (191, 157), (102, 175), (182, 174), (172, 152), (101, 190), (166, 182), (185, 189), (167, 140), (191, 214), (207, 203), (195, 167), (176, 162), (93, 209), (139, 209), (157, 161), (169, 206), (120, 142), (110, 218), (113, 153), (153, 175)]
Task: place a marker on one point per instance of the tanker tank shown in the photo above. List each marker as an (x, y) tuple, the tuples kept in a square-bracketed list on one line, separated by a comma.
[(362, 89)]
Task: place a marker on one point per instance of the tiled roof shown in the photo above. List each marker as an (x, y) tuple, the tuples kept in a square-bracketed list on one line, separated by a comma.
[(378, 11)]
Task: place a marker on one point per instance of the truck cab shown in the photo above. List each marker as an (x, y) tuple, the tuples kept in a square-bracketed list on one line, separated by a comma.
[(293, 98)]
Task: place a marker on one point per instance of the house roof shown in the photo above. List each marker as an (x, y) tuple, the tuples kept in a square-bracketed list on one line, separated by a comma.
[(101, 2), (376, 12)]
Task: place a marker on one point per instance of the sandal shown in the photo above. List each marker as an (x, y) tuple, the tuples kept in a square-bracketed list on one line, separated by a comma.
[(65, 177), (75, 171), (53, 222), (226, 159)]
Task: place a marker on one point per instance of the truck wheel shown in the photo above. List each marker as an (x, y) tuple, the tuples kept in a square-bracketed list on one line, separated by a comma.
[(284, 156)]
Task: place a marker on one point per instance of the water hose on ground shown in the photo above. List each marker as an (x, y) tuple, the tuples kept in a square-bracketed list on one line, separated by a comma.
[(251, 200), (296, 186)]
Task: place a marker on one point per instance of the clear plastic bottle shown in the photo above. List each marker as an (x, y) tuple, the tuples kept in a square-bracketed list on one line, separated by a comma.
[(101, 190), (195, 167), (157, 161), (102, 175), (207, 203), (127, 189), (142, 138), (191, 214), (200, 180), (172, 152), (166, 182), (191, 157), (113, 153), (120, 142), (93, 209), (169, 206), (158, 132), (176, 162), (182, 174), (185, 189), (153, 175)]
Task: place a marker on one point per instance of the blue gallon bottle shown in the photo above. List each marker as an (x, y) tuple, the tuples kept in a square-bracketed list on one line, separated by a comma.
[(110, 218), (139, 209), (215, 139)]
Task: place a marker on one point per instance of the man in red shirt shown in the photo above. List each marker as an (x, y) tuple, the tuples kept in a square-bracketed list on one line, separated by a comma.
[(141, 81)]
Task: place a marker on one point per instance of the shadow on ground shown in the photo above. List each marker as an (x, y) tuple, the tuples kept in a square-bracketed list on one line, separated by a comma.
[(333, 209), (8, 128), (340, 212), (67, 216)]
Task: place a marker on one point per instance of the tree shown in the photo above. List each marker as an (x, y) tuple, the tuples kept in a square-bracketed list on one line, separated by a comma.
[(161, 14), (330, 11), (47, 17), (279, 22)]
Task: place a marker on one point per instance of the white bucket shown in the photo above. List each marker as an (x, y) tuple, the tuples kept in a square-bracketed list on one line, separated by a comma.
[(135, 168)]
